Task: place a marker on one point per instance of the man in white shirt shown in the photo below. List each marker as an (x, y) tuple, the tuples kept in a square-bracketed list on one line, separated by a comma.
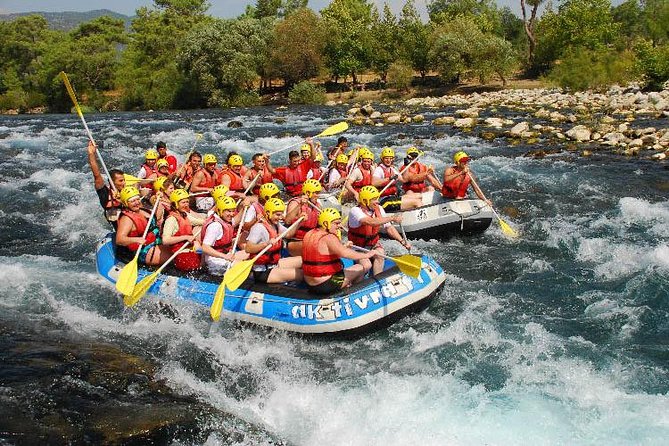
[(385, 174)]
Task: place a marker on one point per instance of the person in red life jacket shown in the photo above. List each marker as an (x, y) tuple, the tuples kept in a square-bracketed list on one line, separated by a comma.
[(148, 169), (163, 168), (188, 170), (457, 179), (364, 223), (317, 171), (361, 175), (163, 188), (386, 173), (270, 267), (204, 181), (256, 210), (178, 229), (293, 175), (172, 163), (218, 235), (233, 178), (108, 196), (131, 228), (337, 174), (299, 206), (322, 252), (339, 149), (417, 174), (262, 166)]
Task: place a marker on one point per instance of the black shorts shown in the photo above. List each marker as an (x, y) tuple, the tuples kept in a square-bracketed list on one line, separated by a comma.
[(262, 276), (391, 203), (332, 285)]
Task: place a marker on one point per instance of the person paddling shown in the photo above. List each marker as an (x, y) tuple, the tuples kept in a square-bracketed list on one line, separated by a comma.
[(386, 174), (299, 206), (256, 210), (417, 174), (204, 181), (293, 175), (262, 166), (361, 175), (108, 196), (457, 180), (322, 252), (178, 230), (233, 178), (189, 169), (364, 223), (218, 235), (131, 227), (148, 169)]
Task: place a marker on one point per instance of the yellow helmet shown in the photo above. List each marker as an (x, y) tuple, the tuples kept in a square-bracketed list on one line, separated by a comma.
[(367, 194), (235, 160), (274, 205), (387, 152), (209, 158), (413, 151), (311, 187), (366, 154), (305, 148), (159, 183), (162, 162), (267, 191), (177, 195), (460, 157), (342, 158), (219, 191), (151, 154), (327, 216), (127, 193), (225, 203), (319, 158)]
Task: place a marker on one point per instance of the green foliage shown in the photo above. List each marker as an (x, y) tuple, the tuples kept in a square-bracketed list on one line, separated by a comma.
[(585, 68), (652, 63), (384, 33), (656, 15), (13, 100), (483, 12), (297, 47), (414, 42), (461, 50), (399, 76), (307, 93)]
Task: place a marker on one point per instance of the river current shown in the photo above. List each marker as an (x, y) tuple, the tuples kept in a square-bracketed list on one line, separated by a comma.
[(558, 337)]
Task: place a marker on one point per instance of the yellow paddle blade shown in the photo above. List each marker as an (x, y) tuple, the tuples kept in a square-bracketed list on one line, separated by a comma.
[(127, 278), (334, 129), (70, 91), (508, 230), (140, 289), (217, 305), (409, 264), (237, 274)]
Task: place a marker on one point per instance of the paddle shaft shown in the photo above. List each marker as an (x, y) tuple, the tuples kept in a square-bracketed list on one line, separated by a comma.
[(281, 236), (250, 186), (402, 170), (239, 231), (179, 251), (360, 248), (148, 225)]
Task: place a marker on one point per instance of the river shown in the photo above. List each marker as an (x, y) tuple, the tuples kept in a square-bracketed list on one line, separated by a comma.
[(558, 337)]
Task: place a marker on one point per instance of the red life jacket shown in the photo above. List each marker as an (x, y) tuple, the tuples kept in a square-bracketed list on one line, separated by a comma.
[(209, 179), (224, 244), (265, 177), (273, 255), (139, 221), (315, 264), (188, 173), (260, 211), (112, 201), (294, 179), (388, 172), (172, 163), (236, 183), (185, 228), (457, 187), (365, 236), (307, 225), (366, 179), (415, 186), (150, 170)]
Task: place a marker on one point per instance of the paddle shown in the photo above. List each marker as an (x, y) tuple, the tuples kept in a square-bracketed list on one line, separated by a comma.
[(73, 96), (402, 170), (127, 278), (143, 286), (408, 264), (250, 186), (130, 179), (238, 272), (217, 304), (332, 130), (508, 230)]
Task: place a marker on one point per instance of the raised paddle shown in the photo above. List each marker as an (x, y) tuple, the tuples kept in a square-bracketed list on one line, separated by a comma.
[(217, 304), (408, 264), (127, 278), (73, 96), (130, 179), (332, 130), (508, 230), (238, 272), (143, 286)]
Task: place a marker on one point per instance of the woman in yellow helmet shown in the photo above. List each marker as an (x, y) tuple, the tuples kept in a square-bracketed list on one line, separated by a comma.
[(457, 179), (149, 169), (131, 226), (178, 230)]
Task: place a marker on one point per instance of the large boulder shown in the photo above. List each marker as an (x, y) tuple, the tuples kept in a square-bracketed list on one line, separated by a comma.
[(579, 133)]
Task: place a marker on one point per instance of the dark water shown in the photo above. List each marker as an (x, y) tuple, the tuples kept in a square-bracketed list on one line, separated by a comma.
[(558, 337)]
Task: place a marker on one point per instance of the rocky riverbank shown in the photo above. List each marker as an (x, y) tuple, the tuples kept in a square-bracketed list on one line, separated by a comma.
[(589, 121)]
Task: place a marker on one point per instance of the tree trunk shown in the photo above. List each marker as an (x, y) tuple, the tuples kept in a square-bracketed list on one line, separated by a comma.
[(529, 28)]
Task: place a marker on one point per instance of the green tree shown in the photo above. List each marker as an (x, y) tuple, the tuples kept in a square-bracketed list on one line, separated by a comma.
[(297, 47), (484, 12), (414, 42), (656, 14), (384, 34), (529, 25), (348, 45), (629, 16)]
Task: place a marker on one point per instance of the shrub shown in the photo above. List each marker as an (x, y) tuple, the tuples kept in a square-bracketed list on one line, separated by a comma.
[(307, 93), (584, 69), (399, 76), (13, 99), (652, 63)]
